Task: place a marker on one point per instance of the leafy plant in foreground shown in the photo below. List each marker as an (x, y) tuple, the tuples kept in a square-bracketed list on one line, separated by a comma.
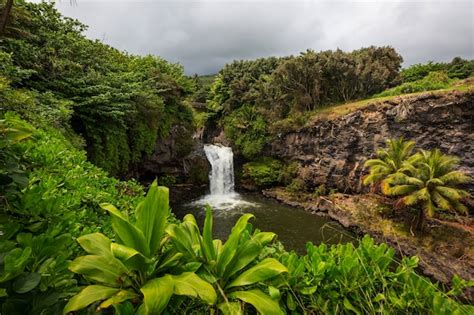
[(348, 279), (429, 181), (236, 268), (138, 266)]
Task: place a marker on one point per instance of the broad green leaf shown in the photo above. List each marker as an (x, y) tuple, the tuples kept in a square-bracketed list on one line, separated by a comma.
[(14, 262), (264, 237), (244, 256), (230, 246), (95, 243), (152, 215), (3, 292), (156, 295), (103, 269), (181, 240), (207, 244), (264, 270), (123, 308), (87, 296), (262, 302), (190, 284), (127, 233), (26, 282), (117, 298), (130, 257), (169, 260), (231, 308), (191, 226)]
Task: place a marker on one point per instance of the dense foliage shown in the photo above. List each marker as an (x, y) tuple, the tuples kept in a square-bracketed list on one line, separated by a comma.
[(458, 68), (53, 196), (120, 104), (428, 180), (138, 264), (50, 195), (66, 248), (433, 81), (263, 172), (248, 97)]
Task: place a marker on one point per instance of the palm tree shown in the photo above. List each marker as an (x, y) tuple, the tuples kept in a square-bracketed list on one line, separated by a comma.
[(428, 180), (390, 160)]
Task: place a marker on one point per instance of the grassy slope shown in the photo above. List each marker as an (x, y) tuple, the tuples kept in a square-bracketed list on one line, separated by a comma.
[(346, 108)]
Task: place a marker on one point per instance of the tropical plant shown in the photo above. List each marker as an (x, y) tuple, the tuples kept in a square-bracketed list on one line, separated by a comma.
[(263, 172), (361, 279), (429, 180), (12, 175), (238, 269), (138, 266), (389, 160)]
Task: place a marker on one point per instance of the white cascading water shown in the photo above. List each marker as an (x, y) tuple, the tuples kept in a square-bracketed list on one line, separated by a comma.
[(221, 178)]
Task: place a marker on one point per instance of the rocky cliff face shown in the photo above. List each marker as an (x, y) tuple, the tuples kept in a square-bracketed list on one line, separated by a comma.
[(180, 155), (332, 151)]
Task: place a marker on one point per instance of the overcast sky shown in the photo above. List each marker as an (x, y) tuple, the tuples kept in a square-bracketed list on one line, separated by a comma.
[(204, 35)]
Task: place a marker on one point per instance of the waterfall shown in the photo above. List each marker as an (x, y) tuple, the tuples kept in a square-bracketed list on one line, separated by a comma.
[(221, 177)]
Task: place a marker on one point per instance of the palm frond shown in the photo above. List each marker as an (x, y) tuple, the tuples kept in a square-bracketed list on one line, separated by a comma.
[(459, 207), (440, 201), (455, 178), (399, 190), (451, 193), (429, 208)]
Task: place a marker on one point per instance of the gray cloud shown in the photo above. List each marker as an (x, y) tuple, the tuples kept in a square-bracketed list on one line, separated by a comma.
[(204, 35)]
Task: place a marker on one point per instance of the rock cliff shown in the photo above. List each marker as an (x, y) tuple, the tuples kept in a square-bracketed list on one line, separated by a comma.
[(332, 151)]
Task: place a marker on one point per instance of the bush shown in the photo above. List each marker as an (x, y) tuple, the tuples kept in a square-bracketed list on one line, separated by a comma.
[(55, 197), (362, 279), (288, 173), (167, 180), (264, 172), (458, 68), (247, 129), (296, 185), (433, 81)]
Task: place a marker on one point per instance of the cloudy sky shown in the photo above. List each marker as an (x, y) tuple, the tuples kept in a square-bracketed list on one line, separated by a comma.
[(204, 35)]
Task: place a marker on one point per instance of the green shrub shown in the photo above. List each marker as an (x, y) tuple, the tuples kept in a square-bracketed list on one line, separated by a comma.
[(362, 279), (167, 180), (433, 81), (138, 266), (247, 130), (288, 173), (296, 185), (54, 197), (320, 191), (458, 68), (264, 172)]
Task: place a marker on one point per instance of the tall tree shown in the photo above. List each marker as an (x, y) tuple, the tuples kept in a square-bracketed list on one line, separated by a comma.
[(4, 16)]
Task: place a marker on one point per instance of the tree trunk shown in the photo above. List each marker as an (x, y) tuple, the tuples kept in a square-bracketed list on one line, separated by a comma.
[(4, 16), (421, 220)]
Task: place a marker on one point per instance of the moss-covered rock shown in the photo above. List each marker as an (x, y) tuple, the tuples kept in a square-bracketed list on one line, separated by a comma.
[(264, 172)]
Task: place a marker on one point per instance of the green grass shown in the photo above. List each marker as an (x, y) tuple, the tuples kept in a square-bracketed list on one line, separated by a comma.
[(335, 111)]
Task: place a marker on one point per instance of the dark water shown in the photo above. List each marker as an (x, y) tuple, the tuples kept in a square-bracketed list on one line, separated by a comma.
[(294, 226)]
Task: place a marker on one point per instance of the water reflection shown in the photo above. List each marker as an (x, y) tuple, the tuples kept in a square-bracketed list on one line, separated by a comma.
[(294, 227)]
